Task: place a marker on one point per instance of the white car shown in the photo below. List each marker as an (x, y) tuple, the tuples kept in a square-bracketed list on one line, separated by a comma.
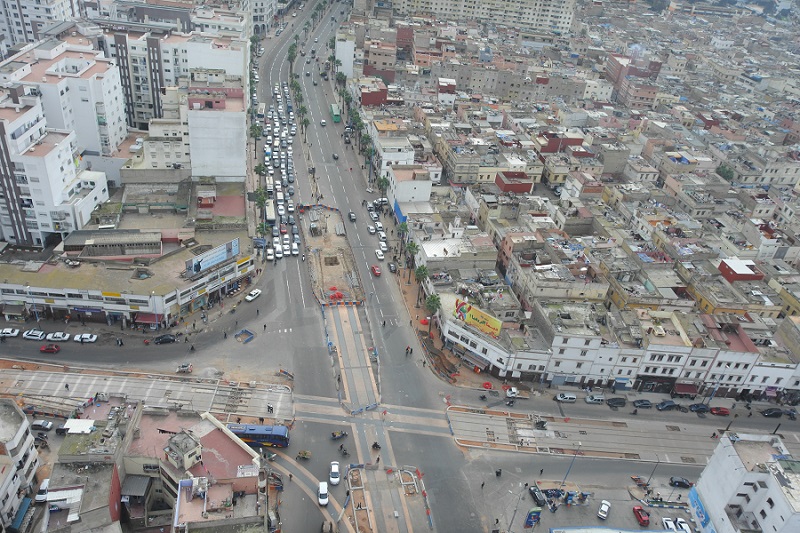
[(276, 242), (605, 508), (287, 250), (682, 525), (383, 247), (281, 211), (9, 332), (322, 493), (379, 255), (668, 524), (252, 295), (512, 392), (270, 254), (290, 207), (58, 336), (34, 335), (85, 337), (378, 226), (374, 216), (278, 253), (334, 475), (371, 230)]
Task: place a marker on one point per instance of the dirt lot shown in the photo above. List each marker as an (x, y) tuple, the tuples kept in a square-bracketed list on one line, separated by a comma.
[(330, 260)]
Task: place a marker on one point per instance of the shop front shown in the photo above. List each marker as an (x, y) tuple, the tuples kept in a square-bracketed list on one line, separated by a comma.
[(14, 312)]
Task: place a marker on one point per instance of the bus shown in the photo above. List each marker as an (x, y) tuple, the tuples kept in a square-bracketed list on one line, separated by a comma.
[(269, 212), (335, 115), (261, 436), (262, 111)]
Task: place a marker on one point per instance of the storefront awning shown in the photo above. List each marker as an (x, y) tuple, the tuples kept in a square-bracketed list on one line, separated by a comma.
[(685, 388), (24, 505), (11, 309), (148, 318), (771, 392)]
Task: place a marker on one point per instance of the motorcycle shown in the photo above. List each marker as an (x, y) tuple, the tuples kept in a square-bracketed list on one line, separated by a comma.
[(635, 412), (376, 446), (336, 435), (483, 397), (345, 453)]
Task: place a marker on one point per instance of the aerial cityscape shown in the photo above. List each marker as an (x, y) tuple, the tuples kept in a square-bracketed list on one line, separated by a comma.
[(355, 266)]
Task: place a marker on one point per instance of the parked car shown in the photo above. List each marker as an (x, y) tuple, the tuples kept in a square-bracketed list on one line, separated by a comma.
[(565, 397), (34, 335), (699, 408), (682, 525), (680, 482), (41, 425), (616, 402), (50, 348), (642, 404), (642, 516), (9, 332), (252, 295), (322, 493), (666, 405), (772, 412), (165, 339), (668, 524), (379, 255), (58, 336), (537, 495), (392, 268), (85, 337), (720, 411), (605, 508), (595, 399)]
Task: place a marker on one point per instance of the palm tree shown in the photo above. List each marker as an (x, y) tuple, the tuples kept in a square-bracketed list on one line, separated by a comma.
[(261, 169), (332, 43), (402, 231), (341, 78), (291, 56), (412, 249), (306, 27), (383, 184), (302, 111), (297, 38), (255, 131), (337, 63), (264, 229), (421, 274), (432, 303), (365, 140), (305, 124)]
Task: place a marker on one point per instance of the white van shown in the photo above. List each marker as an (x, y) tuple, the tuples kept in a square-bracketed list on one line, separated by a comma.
[(382, 236), (566, 397), (279, 198), (41, 495)]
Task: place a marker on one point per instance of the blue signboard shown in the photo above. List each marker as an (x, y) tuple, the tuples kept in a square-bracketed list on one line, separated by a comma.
[(533, 517), (699, 510), (212, 258)]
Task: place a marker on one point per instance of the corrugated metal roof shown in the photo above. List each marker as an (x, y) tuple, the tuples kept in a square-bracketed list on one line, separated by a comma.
[(135, 485)]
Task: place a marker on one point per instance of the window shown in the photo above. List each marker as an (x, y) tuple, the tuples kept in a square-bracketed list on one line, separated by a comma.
[(579, 365), (770, 503), (586, 342), (561, 351), (558, 364)]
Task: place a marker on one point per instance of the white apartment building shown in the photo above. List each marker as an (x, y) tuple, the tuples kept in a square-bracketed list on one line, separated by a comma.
[(264, 12), (390, 151), (21, 21), (749, 484), (150, 62), (408, 184), (345, 52), (80, 91), (19, 461), (545, 15), (46, 191)]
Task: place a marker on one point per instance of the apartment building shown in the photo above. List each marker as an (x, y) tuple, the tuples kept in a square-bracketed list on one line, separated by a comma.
[(46, 191), (546, 16), (22, 21), (19, 460)]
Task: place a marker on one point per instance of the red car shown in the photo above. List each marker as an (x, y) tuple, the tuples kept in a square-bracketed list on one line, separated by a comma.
[(284, 229), (50, 348), (720, 411), (376, 270), (642, 516)]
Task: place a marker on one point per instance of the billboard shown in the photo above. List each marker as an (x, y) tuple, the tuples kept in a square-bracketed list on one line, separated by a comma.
[(476, 318), (212, 258)]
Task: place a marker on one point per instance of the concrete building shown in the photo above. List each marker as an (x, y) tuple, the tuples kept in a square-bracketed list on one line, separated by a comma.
[(408, 183), (548, 16), (22, 21), (47, 195), (19, 460)]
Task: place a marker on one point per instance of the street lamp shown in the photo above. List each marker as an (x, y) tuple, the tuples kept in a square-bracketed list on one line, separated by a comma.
[(564, 481), (658, 462), (716, 387), (33, 304)]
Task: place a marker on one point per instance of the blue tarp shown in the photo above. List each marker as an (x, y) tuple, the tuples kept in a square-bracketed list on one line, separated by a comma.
[(23, 510)]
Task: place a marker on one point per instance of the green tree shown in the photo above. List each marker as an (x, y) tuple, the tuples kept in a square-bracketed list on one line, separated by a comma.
[(412, 249), (432, 303), (302, 111), (261, 169), (255, 130), (726, 172), (261, 198), (383, 184), (305, 123), (291, 56), (341, 78), (306, 27), (337, 63), (365, 140), (331, 43), (421, 274), (402, 231), (264, 229)]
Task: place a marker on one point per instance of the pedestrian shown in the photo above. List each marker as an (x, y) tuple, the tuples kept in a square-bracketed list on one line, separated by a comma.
[(238, 419), (384, 324), (290, 476), (236, 323), (66, 386), (186, 339), (679, 497), (341, 447), (265, 327), (224, 334), (714, 435), (541, 471), (482, 484), (749, 414), (378, 460), (411, 351), (408, 348), (261, 420), (258, 311), (424, 363)]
